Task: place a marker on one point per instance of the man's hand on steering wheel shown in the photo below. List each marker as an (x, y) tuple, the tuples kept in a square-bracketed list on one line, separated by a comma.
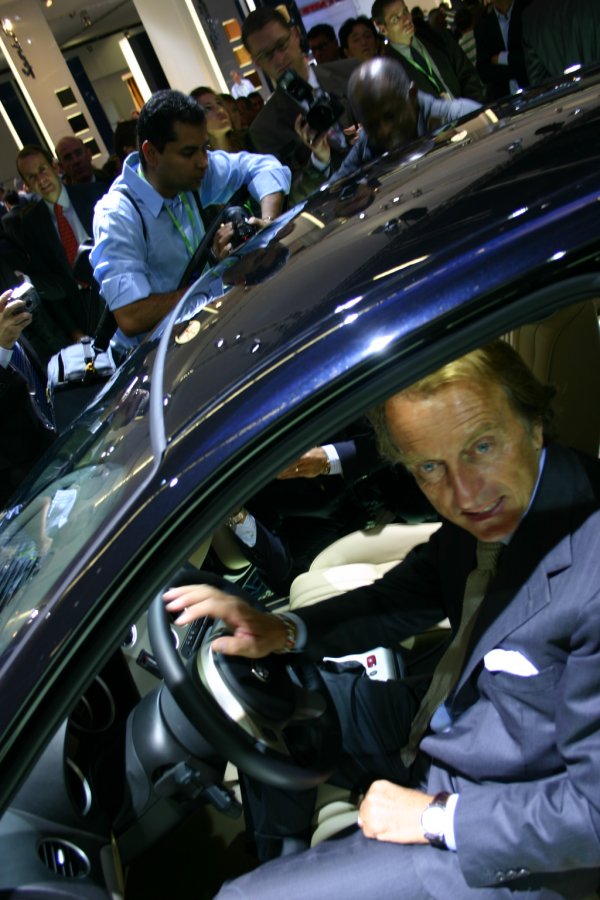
[(254, 634)]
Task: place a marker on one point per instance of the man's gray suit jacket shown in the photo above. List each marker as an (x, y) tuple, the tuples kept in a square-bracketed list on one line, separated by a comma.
[(523, 752)]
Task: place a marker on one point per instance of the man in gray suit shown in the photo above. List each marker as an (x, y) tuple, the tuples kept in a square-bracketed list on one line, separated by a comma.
[(501, 800), (274, 44)]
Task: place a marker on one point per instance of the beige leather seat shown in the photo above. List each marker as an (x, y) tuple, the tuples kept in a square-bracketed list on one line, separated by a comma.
[(564, 350), (356, 559)]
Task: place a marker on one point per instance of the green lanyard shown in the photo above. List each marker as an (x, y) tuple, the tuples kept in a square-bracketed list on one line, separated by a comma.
[(415, 59), (188, 244)]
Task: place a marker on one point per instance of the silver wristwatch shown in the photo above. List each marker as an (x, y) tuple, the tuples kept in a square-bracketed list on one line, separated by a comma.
[(433, 820)]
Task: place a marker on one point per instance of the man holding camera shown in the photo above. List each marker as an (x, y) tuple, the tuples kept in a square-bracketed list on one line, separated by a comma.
[(150, 224), (45, 236), (24, 408), (280, 128)]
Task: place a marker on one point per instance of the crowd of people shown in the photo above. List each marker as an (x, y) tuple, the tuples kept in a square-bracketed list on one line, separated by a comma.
[(388, 79)]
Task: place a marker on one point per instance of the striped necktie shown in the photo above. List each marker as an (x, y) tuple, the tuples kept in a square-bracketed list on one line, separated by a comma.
[(450, 666)]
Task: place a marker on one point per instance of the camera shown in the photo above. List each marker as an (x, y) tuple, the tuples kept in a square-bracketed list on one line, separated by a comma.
[(28, 296), (321, 110), (242, 229)]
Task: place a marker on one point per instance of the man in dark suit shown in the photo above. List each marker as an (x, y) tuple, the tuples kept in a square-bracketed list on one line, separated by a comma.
[(558, 34), (48, 232), (499, 46), (432, 60), (492, 793), (274, 44), (28, 419)]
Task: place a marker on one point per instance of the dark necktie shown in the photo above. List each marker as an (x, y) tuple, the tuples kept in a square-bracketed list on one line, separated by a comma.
[(23, 365), (450, 666), (67, 235), (427, 69)]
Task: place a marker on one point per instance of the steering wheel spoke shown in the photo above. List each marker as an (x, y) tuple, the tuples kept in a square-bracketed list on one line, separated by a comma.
[(272, 717)]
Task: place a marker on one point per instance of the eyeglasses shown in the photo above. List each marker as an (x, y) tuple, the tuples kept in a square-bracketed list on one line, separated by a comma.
[(398, 17), (265, 56)]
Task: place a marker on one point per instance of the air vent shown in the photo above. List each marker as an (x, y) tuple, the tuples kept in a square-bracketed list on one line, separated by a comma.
[(95, 710), (63, 858)]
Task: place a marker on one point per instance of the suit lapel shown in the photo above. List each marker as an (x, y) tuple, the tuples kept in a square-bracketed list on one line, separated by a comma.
[(540, 548)]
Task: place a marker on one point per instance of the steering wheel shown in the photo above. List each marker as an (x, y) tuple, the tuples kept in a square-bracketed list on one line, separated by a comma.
[(272, 717)]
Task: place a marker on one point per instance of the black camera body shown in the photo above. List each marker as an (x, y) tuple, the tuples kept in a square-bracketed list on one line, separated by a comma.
[(242, 229), (28, 296), (321, 110)]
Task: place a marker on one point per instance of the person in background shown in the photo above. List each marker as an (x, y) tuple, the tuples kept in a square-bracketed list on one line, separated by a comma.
[(48, 233), (359, 39), (323, 44), (500, 54), (150, 223), (221, 133), (75, 161), (275, 46), (241, 87), (26, 413), (433, 59)]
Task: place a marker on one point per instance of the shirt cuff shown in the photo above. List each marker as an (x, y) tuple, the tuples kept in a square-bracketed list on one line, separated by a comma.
[(5, 357), (449, 835), (335, 463), (246, 530), (503, 58)]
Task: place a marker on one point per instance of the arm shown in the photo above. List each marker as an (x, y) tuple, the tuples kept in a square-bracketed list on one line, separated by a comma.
[(144, 314), (264, 176)]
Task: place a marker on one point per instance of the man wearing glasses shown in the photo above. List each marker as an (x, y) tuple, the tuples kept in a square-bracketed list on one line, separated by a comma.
[(274, 44), (434, 61)]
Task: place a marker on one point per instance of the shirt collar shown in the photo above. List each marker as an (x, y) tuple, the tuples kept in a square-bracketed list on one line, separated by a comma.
[(140, 187), (63, 199), (541, 464)]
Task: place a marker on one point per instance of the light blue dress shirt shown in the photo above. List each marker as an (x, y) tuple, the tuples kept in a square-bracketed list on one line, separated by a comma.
[(129, 266)]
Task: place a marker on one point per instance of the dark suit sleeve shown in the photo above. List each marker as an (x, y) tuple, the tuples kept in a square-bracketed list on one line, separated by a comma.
[(408, 599), (468, 79), (24, 437)]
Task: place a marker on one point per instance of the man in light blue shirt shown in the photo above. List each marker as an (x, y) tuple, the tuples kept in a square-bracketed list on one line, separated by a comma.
[(148, 226)]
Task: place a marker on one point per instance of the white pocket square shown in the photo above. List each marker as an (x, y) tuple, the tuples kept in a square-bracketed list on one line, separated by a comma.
[(511, 661)]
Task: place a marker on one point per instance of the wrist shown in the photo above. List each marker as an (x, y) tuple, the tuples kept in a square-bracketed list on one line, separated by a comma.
[(291, 633)]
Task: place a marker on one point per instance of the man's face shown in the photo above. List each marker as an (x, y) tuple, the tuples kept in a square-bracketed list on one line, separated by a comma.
[(75, 160), (471, 454), (389, 122), (183, 162), (398, 25), (324, 49), (275, 48), (41, 177)]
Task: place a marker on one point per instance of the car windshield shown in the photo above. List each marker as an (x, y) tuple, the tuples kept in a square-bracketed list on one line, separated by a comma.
[(63, 506)]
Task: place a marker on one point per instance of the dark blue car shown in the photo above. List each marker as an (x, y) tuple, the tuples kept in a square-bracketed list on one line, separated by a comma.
[(489, 228)]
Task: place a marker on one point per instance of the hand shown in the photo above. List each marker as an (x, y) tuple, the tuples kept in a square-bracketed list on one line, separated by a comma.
[(13, 319), (309, 465), (254, 634), (222, 244), (353, 133), (389, 812), (317, 143)]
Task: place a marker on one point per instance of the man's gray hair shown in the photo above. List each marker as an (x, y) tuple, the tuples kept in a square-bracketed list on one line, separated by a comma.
[(375, 79)]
